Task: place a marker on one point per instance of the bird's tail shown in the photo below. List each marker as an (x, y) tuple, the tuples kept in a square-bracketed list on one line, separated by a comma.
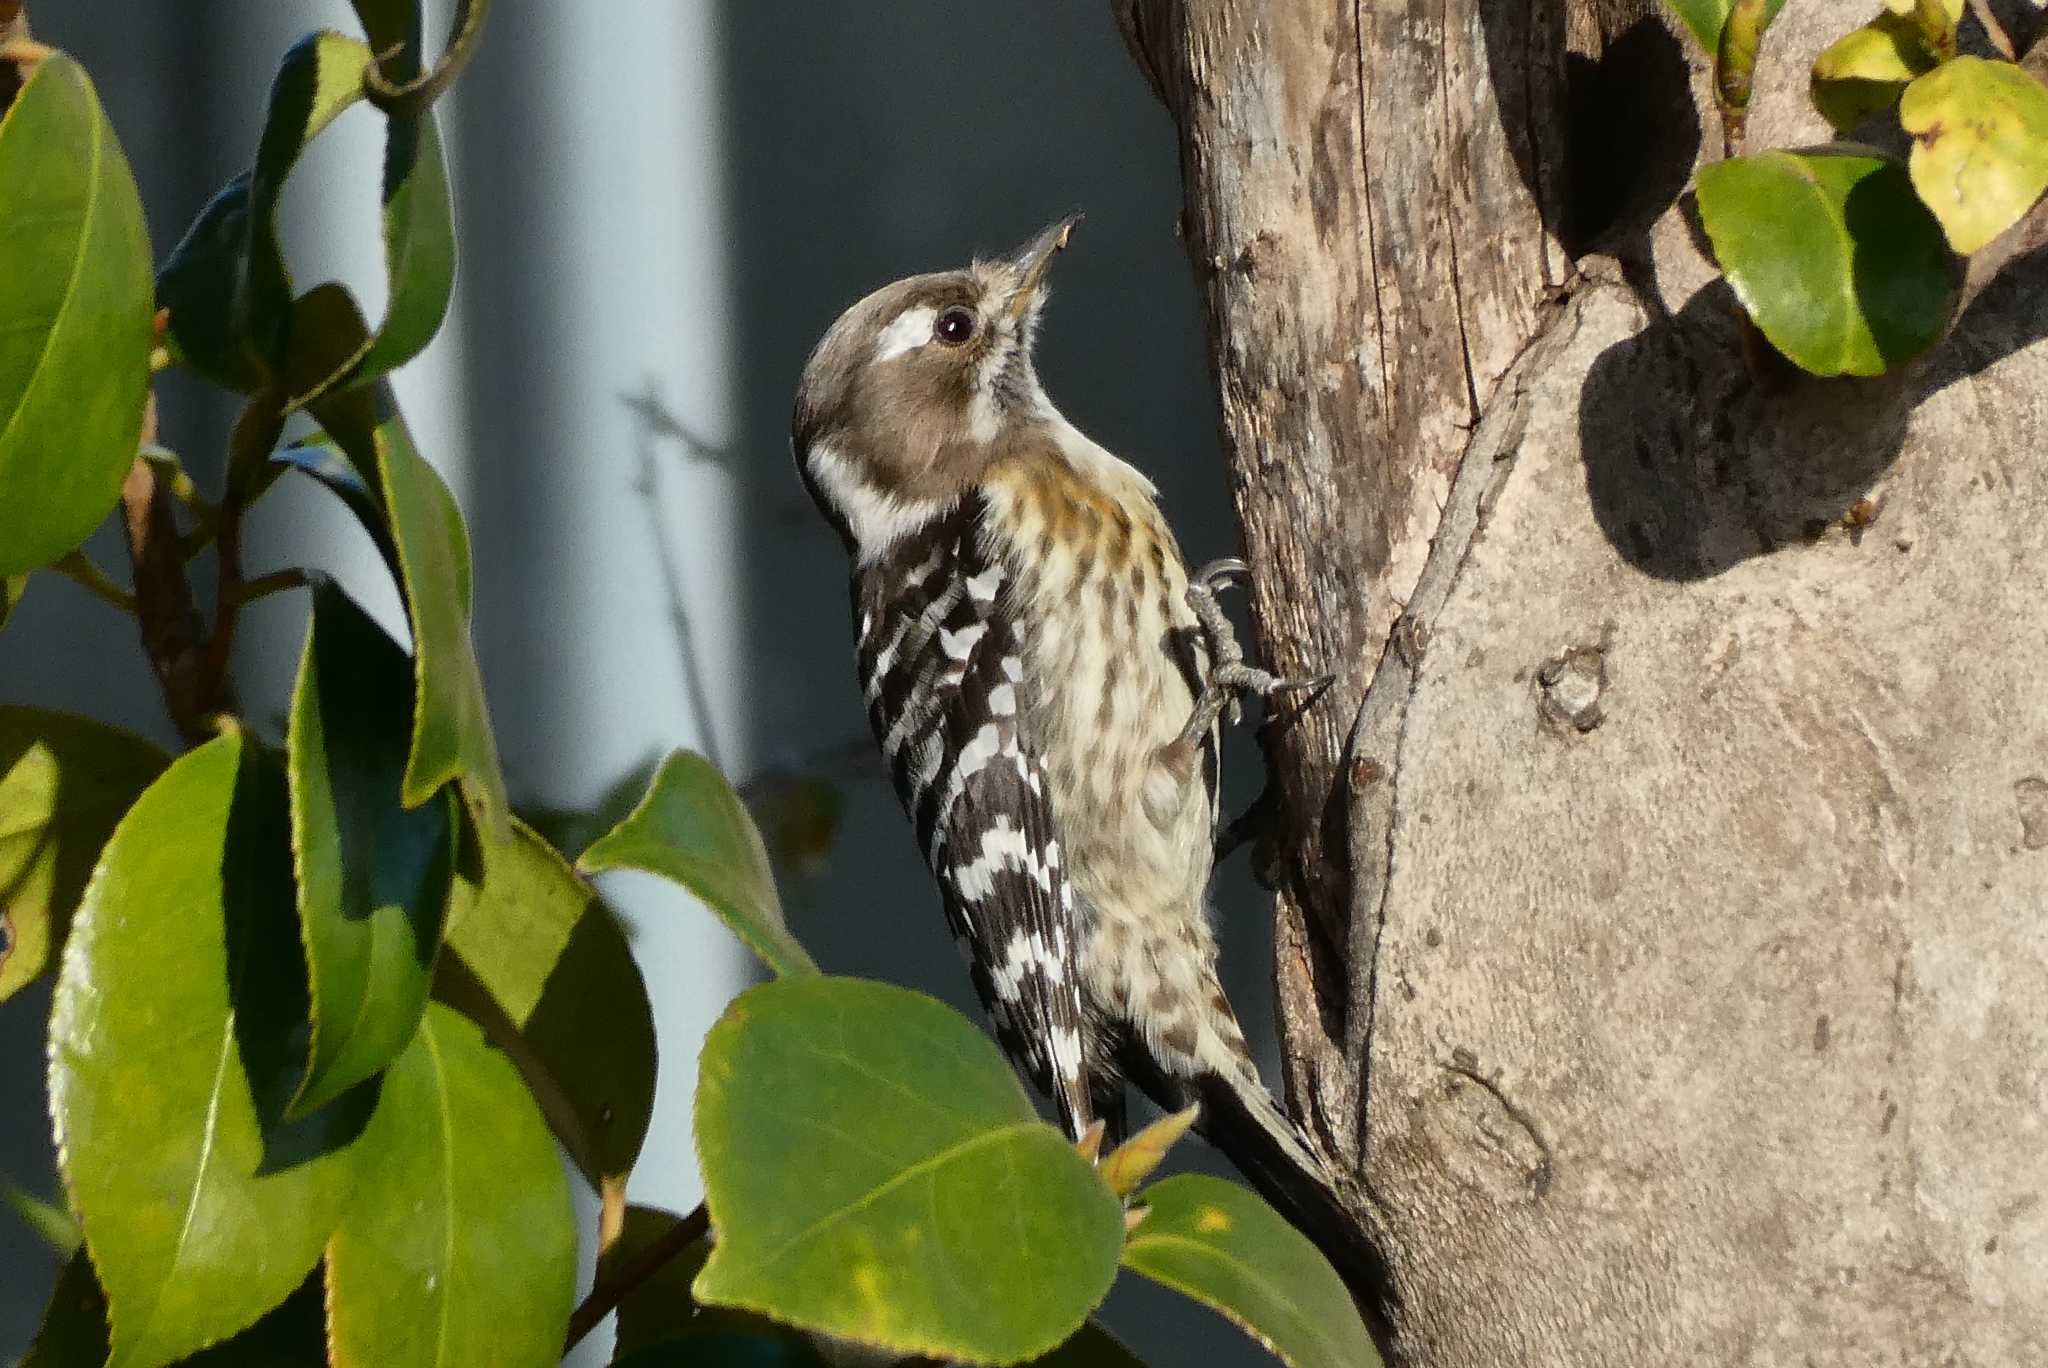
[(1242, 1119)]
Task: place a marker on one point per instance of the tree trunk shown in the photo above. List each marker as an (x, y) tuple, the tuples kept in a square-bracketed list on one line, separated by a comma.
[(1661, 931)]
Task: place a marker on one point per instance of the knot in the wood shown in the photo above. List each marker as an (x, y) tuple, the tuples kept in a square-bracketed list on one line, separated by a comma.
[(1570, 688)]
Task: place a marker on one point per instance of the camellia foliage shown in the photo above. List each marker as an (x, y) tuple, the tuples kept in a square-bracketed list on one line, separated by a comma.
[(1845, 257), (336, 1034)]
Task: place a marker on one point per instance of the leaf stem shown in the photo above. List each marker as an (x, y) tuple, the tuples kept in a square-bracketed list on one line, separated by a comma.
[(606, 1296), (1993, 29), (276, 582), (79, 569), (256, 433)]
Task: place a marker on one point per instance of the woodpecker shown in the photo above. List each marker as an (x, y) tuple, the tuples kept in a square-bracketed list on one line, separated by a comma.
[(1045, 679)]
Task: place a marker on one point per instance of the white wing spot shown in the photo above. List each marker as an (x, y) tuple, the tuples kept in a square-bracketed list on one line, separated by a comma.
[(984, 585), (957, 644)]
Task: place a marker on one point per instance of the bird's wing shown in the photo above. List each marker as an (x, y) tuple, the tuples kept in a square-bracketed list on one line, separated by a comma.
[(942, 662)]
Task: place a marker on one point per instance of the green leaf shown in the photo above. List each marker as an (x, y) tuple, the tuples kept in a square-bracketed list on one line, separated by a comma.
[(460, 1247), (74, 1330), (75, 317), (936, 1213), (554, 961), (419, 247), (1980, 146), (175, 1042), (373, 877), (52, 1224), (451, 734), (1706, 19), (1832, 254), (692, 828), (12, 588), (1221, 1245), (226, 283), (1865, 70), (64, 783)]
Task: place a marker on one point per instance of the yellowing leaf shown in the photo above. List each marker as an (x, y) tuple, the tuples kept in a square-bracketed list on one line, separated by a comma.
[(1221, 1245), (914, 1201), (1866, 69), (1980, 146), (64, 782)]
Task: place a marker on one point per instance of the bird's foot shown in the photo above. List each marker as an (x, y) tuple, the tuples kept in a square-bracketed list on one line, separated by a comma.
[(1230, 678)]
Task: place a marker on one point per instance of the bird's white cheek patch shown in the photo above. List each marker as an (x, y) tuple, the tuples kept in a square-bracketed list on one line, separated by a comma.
[(907, 332)]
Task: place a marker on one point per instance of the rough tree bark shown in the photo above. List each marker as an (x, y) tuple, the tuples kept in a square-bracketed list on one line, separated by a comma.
[(1663, 917)]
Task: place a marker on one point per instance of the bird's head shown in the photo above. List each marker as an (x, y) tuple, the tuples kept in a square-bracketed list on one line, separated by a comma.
[(916, 389)]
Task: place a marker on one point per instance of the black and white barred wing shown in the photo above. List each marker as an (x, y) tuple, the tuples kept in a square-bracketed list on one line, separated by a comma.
[(942, 665)]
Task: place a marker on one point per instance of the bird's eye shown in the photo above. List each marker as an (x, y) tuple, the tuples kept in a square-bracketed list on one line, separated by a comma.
[(955, 327)]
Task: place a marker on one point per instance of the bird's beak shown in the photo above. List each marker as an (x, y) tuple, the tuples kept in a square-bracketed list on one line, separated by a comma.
[(1031, 261)]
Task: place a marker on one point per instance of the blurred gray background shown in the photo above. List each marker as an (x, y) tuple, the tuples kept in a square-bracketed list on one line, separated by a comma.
[(661, 205)]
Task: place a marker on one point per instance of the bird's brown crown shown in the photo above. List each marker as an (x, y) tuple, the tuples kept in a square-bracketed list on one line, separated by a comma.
[(917, 389)]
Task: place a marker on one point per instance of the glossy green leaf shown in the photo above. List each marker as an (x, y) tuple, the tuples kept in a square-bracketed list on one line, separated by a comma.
[(451, 735), (692, 828), (460, 1247), (373, 876), (64, 782), (1706, 18), (175, 1043), (419, 247), (555, 961), (1980, 146), (1221, 1245), (935, 1214), (1866, 69), (226, 284), (74, 1330), (1832, 254), (75, 316)]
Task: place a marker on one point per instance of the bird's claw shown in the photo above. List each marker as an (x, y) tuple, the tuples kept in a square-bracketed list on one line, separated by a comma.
[(1229, 678)]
